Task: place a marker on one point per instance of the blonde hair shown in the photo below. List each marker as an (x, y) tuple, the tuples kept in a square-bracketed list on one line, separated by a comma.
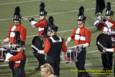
[(48, 68)]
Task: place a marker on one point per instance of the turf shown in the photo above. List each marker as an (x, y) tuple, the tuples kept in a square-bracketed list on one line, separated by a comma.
[(65, 14)]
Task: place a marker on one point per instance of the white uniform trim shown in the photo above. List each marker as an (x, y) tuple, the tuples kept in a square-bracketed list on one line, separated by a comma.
[(107, 30), (54, 41), (78, 30), (40, 29), (12, 34), (38, 51), (13, 28), (17, 61), (109, 24), (78, 37)]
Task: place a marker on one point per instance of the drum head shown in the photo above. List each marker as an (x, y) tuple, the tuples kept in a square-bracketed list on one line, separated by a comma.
[(105, 40)]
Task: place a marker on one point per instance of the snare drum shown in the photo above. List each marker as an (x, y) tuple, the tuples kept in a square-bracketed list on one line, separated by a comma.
[(2, 56), (71, 54)]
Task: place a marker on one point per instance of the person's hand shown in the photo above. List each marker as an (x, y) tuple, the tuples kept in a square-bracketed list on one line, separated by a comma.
[(8, 56), (41, 52)]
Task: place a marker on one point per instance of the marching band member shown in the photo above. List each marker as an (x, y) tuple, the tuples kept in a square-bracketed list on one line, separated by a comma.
[(82, 38), (107, 26), (41, 25), (16, 39), (52, 48)]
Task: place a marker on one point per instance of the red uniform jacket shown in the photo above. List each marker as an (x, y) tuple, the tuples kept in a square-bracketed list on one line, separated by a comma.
[(17, 58), (18, 27), (107, 26), (41, 26), (81, 35), (47, 46)]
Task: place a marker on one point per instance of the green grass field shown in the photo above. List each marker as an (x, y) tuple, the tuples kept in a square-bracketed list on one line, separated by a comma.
[(65, 14)]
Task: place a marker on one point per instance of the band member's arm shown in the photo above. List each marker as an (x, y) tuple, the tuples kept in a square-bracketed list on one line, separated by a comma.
[(38, 24), (64, 47), (17, 57), (5, 40), (23, 35), (42, 23), (71, 37), (68, 40), (47, 46)]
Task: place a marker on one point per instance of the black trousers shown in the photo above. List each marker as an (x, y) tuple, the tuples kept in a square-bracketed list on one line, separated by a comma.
[(80, 64), (40, 58), (20, 71), (55, 63), (107, 60)]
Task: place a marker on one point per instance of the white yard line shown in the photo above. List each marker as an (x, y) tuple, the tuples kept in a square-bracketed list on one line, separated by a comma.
[(30, 36), (19, 2), (56, 13), (28, 1), (64, 31)]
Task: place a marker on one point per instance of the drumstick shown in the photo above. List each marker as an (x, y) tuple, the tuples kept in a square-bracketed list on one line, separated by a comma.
[(101, 46)]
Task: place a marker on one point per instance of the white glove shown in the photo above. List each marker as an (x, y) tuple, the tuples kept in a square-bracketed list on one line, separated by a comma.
[(8, 56), (96, 22), (33, 23), (85, 45), (41, 52)]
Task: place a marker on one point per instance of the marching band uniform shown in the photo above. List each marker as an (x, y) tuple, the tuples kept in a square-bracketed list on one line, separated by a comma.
[(81, 37), (107, 25), (21, 29), (41, 25), (52, 48), (16, 36)]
